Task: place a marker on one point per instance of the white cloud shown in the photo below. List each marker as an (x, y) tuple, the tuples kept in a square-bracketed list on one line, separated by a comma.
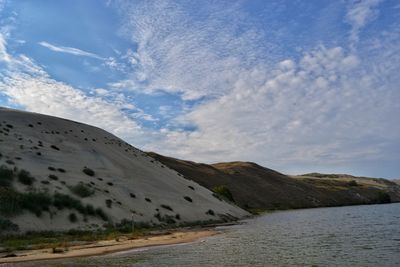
[(70, 50), (325, 108), (359, 13), (196, 57), (26, 84), (4, 56)]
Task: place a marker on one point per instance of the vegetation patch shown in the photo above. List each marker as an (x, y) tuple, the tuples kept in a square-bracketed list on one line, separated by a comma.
[(72, 217), (383, 197), (24, 177), (224, 192), (88, 171), (81, 190), (109, 203), (352, 183), (210, 212), (6, 176), (53, 177), (7, 226)]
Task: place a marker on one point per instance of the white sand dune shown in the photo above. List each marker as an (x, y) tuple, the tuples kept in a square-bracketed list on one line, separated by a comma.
[(123, 175)]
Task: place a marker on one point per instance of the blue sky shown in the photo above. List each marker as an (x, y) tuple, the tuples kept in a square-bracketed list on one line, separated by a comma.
[(297, 86)]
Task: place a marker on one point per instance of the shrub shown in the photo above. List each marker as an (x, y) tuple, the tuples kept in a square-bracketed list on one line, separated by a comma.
[(61, 170), (101, 214), (81, 190), (188, 198), (109, 203), (88, 171), (6, 176), (110, 184), (36, 202), (352, 183), (7, 226), (132, 195), (166, 207), (10, 202), (72, 217), (53, 177), (147, 199), (177, 216), (62, 201), (210, 212), (383, 197), (90, 210), (10, 162), (224, 192), (24, 177)]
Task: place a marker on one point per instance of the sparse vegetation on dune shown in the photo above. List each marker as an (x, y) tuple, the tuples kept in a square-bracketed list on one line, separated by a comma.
[(81, 190)]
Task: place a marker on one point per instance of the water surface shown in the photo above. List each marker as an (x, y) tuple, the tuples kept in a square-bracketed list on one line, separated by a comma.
[(343, 236)]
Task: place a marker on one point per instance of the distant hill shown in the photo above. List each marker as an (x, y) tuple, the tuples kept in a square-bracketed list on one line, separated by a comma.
[(256, 188), (57, 174)]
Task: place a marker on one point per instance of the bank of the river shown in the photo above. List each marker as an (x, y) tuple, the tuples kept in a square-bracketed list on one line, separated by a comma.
[(100, 247)]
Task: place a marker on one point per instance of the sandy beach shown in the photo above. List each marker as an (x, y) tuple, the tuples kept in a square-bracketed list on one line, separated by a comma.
[(109, 246)]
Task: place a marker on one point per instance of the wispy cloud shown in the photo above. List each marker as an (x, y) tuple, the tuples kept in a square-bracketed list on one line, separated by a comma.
[(359, 14), (187, 55), (70, 50), (26, 84), (3, 50)]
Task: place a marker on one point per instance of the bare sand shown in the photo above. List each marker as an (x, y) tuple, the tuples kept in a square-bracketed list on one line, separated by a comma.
[(109, 246)]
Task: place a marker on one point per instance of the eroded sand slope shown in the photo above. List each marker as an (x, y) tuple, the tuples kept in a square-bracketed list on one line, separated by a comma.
[(124, 180)]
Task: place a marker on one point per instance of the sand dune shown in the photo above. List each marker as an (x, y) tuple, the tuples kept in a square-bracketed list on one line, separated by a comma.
[(72, 168)]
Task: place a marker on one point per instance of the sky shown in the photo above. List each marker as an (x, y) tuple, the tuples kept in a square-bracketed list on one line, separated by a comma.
[(296, 86)]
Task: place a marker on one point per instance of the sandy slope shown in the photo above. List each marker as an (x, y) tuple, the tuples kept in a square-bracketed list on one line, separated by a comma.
[(123, 174)]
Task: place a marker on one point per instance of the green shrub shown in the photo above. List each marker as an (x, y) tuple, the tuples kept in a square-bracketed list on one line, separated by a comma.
[(62, 201), (36, 202), (101, 214), (383, 197), (7, 226), (90, 210), (210, 212), (81, 190), (6, 176), (352, 183), (10, 201), (109, 203), (24, 177), (224, 192), (53, 177), (88, 171), (72, 217)]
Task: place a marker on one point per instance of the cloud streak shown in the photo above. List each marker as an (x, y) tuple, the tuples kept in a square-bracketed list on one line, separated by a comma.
[(70, 50)]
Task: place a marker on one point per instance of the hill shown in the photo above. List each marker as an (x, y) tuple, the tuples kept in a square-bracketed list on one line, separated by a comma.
[(57, 174), (256, 188)]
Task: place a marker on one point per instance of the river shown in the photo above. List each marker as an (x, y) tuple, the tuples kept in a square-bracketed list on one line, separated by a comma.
[(342, 236)]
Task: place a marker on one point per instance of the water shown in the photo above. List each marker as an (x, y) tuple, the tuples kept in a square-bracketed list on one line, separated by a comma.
[(343, 236)]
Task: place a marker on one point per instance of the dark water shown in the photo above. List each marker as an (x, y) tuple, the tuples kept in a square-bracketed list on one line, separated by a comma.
[(343, 236)]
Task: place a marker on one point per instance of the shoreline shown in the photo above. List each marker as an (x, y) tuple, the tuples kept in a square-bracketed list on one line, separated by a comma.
[(103, 247)]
